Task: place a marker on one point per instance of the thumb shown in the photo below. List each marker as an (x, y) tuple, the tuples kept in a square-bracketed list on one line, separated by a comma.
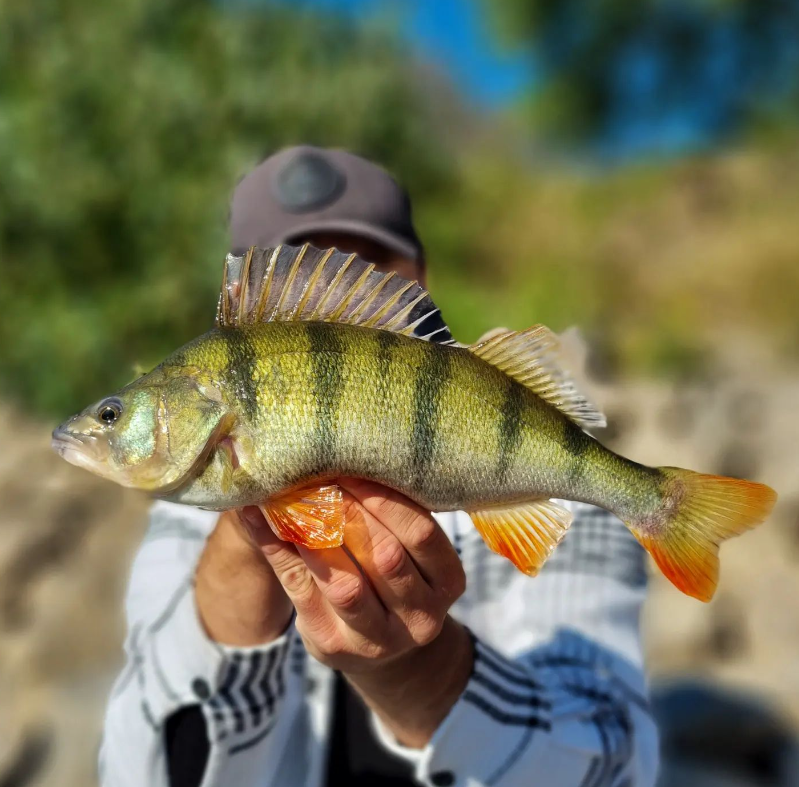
[(255, 525)]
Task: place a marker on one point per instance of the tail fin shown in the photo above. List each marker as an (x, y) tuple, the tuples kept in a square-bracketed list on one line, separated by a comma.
[(699, 513)]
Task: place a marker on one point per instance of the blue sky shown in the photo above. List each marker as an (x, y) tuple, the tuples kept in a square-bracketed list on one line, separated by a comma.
[(455, 35), (655, 108)]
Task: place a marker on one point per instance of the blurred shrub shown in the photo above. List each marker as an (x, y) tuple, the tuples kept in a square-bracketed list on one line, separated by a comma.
[(123, 128), (666, 266), (642, 76)]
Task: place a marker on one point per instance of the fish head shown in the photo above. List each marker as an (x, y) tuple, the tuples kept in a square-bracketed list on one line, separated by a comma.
[(154, 434)]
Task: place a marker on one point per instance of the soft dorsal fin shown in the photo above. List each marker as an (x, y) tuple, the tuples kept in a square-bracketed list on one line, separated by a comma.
[(531, 357), (289, 283)]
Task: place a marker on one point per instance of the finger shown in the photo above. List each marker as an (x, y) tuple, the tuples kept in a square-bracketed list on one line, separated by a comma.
[(249, 520), (288, 565), (385, 561), (346, 591), (416, 530)]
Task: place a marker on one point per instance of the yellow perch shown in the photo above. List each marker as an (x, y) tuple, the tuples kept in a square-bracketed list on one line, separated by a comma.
[(320, 367)]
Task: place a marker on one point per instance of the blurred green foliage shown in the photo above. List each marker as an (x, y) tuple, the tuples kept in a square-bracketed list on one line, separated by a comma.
[(666, 267), (622, 73), (125, 125), (123, 128)]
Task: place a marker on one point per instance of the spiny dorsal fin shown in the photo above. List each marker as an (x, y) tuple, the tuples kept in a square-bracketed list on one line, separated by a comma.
[(531, 358), (289, 283)]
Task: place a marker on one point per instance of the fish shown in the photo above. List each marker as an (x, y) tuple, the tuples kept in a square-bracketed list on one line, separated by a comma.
[(319, 368)]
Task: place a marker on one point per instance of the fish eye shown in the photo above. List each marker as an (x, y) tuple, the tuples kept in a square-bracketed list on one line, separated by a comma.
[(109, 412)]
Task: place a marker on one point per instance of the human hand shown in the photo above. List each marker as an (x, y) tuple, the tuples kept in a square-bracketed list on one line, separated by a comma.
[(385, 592), (239, 599), (376, 608)]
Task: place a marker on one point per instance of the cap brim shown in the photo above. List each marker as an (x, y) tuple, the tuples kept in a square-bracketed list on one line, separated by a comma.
[(390, 240)]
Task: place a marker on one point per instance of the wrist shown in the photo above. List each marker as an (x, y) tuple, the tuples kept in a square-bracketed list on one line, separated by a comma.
[(239, 599), (413, 693)]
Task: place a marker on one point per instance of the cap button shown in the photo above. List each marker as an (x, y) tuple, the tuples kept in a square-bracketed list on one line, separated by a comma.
[(308, 182)]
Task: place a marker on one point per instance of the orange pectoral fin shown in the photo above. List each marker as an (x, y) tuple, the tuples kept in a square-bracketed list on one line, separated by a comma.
[(312, 517), (525, 534)]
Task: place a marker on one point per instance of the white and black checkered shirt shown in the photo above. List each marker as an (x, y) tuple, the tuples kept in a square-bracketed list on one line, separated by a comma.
[(557, 696)]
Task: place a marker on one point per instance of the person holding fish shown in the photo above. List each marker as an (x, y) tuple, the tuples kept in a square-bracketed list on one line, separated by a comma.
[(326, 628)]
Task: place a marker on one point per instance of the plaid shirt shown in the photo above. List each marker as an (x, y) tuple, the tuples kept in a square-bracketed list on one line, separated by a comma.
[(557, 696)]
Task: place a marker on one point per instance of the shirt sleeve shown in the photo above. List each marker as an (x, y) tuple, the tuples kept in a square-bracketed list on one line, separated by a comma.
[(573, 706), (560, 710), (249, 697)]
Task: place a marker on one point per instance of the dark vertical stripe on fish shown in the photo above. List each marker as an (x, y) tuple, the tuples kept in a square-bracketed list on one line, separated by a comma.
[(386, 341), (510, 428), (432, 375), (327, 362), (241, 367), (576, 442)]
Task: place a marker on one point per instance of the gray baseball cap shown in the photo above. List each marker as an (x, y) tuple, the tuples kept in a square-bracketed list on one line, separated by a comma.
[(305, 189)]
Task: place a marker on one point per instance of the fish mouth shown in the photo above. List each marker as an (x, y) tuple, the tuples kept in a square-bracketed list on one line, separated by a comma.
[(62, 439), (77, 449)]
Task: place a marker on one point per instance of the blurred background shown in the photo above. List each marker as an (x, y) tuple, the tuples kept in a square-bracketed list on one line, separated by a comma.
[(627, 166)]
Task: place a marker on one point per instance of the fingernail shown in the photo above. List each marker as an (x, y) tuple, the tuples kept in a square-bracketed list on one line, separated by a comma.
[(253, 520), (259, 529), (252, 515)]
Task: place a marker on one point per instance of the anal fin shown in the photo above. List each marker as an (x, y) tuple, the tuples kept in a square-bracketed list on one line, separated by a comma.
[(525, 534), (312, 516)]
